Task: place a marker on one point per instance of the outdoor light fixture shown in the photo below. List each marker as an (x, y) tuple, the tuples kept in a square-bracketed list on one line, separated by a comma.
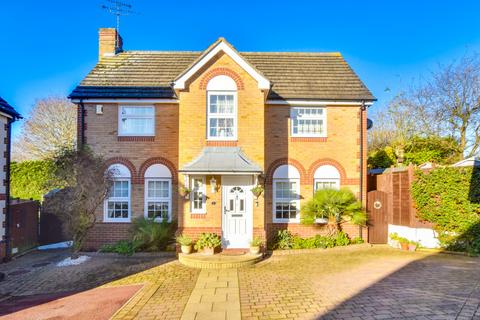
[(213, 185)]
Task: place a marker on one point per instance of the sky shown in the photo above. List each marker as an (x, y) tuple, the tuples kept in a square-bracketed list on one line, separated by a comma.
[(47, 47)]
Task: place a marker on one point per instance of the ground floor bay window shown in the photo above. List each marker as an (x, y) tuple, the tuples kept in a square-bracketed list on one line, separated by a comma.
[(286, 194)]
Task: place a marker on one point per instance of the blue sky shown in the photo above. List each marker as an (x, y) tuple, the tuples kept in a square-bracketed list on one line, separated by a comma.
[(46, 47)]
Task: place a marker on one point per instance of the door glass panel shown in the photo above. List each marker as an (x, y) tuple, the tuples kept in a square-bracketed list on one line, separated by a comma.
[(242, 205), (232, 205)]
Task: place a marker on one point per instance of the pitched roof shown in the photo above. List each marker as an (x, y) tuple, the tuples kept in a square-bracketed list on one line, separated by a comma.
[(293, 75), (222, 159), (8, 109)]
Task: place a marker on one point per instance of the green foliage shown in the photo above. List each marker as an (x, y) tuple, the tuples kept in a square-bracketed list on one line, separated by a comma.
[(184, 240), (450, 199), (383, 158), (285, 240), (357, 240), (340, 205), (208, 240), (441, 150), (256, 242), (417, 150), (31, 179), (150, 235), (124, 247)]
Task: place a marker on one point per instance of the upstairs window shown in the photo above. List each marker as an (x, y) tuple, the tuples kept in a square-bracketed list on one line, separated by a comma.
[(136, 121), (221, 109), (308, 122)]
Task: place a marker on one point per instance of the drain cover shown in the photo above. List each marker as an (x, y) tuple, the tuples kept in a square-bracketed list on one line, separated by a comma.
[(18, 272), (38, 265)]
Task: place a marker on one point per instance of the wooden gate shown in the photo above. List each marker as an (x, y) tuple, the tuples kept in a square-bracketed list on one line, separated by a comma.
[(377, 207)]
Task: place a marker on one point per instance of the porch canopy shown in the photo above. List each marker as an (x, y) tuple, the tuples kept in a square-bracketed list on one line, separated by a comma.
[(222, 160)]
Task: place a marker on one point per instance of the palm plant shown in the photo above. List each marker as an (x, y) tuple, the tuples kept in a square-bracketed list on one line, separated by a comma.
[(338, 206), (149, 235)]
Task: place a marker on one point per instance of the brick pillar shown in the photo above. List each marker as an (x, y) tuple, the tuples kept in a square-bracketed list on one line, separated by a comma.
[(109, 42)]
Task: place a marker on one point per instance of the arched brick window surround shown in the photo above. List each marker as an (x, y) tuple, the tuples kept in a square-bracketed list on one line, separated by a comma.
[(221, 72), (157, 160), (277, 163), (127, 163), (321, 162)]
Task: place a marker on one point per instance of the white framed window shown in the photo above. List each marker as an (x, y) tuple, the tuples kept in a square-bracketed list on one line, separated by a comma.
[(158, 193), (326, 176), (117, 204), (198, 195), (221, 108), (136, 120), (286, 194), (308, 121)]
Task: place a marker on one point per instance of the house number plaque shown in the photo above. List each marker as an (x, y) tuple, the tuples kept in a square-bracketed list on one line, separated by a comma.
[(377, 204)]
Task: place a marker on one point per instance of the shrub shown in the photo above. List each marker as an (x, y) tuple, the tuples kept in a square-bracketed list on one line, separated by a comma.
[(31, 179), (256, 242), (450, 199), (124, 247), (150, 235), (184, 240), (208, 240), (339, 206), (357, 240), (284, 240)]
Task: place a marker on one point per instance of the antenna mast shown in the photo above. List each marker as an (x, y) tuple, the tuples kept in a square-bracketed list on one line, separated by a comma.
[(118, 8)]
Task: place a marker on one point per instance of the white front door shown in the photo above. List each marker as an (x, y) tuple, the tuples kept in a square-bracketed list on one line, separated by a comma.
[(237, 217)]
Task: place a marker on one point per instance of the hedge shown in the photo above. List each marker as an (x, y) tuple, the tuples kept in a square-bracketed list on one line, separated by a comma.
[(29, 179), (450, 199)]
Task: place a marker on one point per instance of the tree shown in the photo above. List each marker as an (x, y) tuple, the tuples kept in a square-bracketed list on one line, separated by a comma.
[(445, 105), (339, 206), (86, 184), (50, 126)]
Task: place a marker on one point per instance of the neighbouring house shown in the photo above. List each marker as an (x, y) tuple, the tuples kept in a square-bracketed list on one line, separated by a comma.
[(192, 132), (7, 116)]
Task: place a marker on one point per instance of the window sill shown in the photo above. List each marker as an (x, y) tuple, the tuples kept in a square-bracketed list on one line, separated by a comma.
[(117, 220), (222, 143), (286, 221), (308, 139), (136, 138)]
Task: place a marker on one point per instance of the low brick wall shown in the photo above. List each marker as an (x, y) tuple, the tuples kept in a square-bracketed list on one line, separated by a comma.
[(106, 233), (305, 231)]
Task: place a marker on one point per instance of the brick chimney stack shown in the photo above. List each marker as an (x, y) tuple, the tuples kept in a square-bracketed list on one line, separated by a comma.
[(109, 42)]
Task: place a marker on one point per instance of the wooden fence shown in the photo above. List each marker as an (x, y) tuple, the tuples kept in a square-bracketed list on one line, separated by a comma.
[(24, 224)]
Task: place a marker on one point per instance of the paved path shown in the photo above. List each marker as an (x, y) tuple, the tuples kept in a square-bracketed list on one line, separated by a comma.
[(215, 296)]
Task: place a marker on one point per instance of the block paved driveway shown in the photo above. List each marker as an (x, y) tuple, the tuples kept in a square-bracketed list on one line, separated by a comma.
[(356, 282)]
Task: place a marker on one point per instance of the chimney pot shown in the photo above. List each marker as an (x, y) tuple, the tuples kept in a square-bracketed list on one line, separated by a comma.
[(109, 42)]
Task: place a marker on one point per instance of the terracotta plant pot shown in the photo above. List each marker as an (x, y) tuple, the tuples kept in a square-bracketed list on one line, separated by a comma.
[(186, 249), (208, 251), (404, 245), (412, 247), (254, 250)]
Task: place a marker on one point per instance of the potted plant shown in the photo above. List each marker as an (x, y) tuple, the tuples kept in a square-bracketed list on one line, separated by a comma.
[(394, 240), (404, 242), (207, 242), (255, 245), (185, 243), (257, 191), (184, 192), (412, 246)]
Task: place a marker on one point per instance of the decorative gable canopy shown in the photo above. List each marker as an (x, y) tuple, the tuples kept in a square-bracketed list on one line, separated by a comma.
[(226, 160), (220, 45)]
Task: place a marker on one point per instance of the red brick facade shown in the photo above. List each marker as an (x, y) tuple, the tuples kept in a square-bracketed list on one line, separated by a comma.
[(264, 135)]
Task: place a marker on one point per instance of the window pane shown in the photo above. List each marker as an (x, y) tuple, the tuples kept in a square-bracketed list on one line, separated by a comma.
[(157, 209), (117, 209)]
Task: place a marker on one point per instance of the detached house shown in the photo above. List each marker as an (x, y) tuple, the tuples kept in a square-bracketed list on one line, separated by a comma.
[(191, 133)]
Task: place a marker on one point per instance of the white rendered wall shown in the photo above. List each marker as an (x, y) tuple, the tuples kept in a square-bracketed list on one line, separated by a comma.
[(427, 237)]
